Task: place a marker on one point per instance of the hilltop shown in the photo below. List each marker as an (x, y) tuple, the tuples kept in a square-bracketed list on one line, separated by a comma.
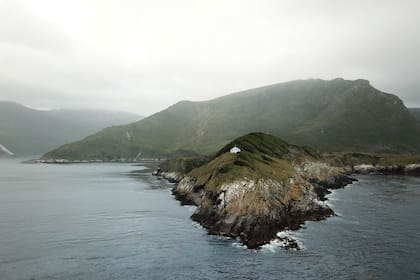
[(334, 115), (25, 131)]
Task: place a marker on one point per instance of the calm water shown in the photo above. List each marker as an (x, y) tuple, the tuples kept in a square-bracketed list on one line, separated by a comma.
[(100, 221)]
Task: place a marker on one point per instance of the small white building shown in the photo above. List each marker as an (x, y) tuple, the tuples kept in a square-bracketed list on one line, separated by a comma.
[(235, 150)]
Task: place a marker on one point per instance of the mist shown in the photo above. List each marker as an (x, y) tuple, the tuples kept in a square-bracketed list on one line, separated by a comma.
[(142, 56)]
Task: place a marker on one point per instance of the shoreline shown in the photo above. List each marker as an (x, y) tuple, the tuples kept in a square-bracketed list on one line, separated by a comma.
[(271, 232), (323, 189)]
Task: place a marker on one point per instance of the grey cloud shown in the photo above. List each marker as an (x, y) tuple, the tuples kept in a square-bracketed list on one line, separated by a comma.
[(142, 56), (21, 27)]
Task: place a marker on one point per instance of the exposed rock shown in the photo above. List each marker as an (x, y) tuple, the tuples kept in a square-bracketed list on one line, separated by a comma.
[(173, 177), (268, 187), (409, 169), (381, 164), (412, 169)]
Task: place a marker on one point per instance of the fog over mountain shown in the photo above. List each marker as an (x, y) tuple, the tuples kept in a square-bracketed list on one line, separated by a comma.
[(25, 131), (142, 56)]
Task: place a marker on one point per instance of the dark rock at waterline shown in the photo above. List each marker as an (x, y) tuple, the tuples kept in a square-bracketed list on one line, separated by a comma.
[(268, 187)]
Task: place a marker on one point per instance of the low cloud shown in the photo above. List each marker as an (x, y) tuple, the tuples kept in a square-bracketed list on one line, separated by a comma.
[(142, 56)]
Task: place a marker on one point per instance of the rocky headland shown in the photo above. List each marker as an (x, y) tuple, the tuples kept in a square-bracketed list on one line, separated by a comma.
[(268, 186)]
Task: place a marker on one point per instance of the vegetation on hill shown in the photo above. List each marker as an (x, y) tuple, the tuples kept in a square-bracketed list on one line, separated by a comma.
[(335, 115), (261, 156)]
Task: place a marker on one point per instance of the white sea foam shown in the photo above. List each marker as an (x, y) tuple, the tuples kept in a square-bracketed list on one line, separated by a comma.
[(239, 245), (272, 246), (282, 241), (333, 196), (196, 225)]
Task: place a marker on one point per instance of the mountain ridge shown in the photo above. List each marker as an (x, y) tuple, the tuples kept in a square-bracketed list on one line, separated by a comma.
[(335, 115)]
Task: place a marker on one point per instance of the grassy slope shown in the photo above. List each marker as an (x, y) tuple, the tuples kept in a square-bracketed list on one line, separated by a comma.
[(329, 115), (262, 156)]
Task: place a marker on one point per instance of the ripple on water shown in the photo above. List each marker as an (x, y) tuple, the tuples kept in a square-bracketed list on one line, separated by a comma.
[(101, 222)]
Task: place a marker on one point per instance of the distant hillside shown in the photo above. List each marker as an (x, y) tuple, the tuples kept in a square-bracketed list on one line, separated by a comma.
[(26, 131), (415, 112), (336, 115)]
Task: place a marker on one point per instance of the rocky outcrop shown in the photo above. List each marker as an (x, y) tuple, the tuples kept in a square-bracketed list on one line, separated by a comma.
[(408, 169), (255, 210), (268, 187), (173, 177), (377, 164), (175, 169)]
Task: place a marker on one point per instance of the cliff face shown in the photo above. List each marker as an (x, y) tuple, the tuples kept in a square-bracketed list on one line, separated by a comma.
[(270, 185)]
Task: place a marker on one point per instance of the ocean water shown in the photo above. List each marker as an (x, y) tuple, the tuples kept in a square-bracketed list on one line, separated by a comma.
[(116, 221)]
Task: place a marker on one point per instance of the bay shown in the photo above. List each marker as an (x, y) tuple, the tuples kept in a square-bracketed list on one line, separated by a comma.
[(116, 221)]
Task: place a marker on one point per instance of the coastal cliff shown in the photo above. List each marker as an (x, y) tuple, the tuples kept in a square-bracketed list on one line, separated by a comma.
[(267, 187)]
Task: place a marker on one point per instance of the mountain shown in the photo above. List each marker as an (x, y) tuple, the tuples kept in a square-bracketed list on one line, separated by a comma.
[(415, 112), (25, 131), (334, 115)]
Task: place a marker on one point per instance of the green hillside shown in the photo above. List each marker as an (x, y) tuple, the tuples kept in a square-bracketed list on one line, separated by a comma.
[(335, 115), (26, 131)]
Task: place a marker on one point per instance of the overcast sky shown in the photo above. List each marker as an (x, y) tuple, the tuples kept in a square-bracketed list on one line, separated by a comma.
[(142, 56)]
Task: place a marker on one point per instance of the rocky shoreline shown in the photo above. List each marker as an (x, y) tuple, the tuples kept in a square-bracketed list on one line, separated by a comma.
[(253, 202), (409, 169), (255, 195), (253, 230)]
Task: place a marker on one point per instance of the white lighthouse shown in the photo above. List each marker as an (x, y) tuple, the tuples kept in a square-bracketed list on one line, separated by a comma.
[(235, 150)]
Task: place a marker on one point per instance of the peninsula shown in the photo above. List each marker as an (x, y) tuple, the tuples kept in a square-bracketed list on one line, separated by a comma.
[(267, 185)]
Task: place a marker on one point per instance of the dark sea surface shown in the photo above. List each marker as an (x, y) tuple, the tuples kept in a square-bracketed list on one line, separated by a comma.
[(102, 221)]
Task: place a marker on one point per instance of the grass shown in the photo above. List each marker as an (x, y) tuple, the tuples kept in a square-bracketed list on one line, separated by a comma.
[(262, 156), (376, 159)]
